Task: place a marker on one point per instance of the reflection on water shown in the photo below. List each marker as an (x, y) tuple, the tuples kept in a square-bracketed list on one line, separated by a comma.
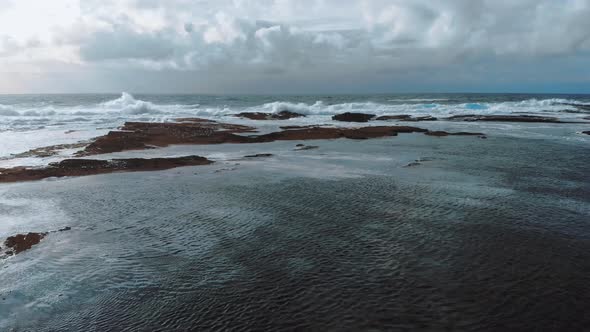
[(483, 235)]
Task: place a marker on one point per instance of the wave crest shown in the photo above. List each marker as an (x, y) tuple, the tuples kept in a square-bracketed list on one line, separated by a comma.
[(129, 105), (7, 111)]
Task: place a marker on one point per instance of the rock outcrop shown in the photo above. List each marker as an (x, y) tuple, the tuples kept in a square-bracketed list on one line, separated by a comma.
[(82, 167), (353, 117), (146, 135), (21, 242)]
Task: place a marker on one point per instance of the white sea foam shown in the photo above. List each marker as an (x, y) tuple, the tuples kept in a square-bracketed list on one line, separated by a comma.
[(129, 105)]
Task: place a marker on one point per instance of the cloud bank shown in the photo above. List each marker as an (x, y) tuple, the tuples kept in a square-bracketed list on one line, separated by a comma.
[(295, 45)]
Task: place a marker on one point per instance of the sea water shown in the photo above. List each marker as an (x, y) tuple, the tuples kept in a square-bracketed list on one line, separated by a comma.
[(487, 234)]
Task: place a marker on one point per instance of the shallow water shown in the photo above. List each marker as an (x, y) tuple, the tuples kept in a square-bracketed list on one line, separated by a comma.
[(483, 235)]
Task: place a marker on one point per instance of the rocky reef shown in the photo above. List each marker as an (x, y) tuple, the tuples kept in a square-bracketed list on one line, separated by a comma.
[(21, 242), (82, 167), (147, 135), (18, 243)]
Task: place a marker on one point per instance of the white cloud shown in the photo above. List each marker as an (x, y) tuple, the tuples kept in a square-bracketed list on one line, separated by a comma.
[(288, 37)]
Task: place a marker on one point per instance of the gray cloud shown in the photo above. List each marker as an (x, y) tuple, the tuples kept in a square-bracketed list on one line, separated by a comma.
[(385, 42)]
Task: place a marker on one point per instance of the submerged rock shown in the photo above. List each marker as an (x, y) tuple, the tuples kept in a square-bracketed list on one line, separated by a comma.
[(259, 155), (48, 151), (444, 133), (283, 115), (413, 164), (302, 147), (353, 117), (586, 132)]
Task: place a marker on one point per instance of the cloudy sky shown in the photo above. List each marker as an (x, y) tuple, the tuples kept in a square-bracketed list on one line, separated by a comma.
[(294, 46)]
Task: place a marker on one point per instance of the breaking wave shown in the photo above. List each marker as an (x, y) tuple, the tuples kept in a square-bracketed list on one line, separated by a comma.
[(129, 105), (430, 107), (7, 111)]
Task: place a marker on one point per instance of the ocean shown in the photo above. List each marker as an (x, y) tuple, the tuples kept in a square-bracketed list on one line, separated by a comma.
[(410, 232)]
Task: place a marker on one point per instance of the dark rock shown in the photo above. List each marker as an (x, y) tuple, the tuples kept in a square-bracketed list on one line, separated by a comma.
[(586, 132), (22, 242), (304, 127), (393, 117), (413, 164), (259, 155), (353, 117), (444, 133), (67, 228), (298, 145), (483, 137), (283, 115)]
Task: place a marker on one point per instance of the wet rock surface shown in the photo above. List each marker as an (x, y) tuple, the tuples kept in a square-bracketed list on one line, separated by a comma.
[(353, 117), (18, 243), (21, 242), (283, 115), (145, 135), (332, 133), (48, 151), (586, 132), (82, 167)]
